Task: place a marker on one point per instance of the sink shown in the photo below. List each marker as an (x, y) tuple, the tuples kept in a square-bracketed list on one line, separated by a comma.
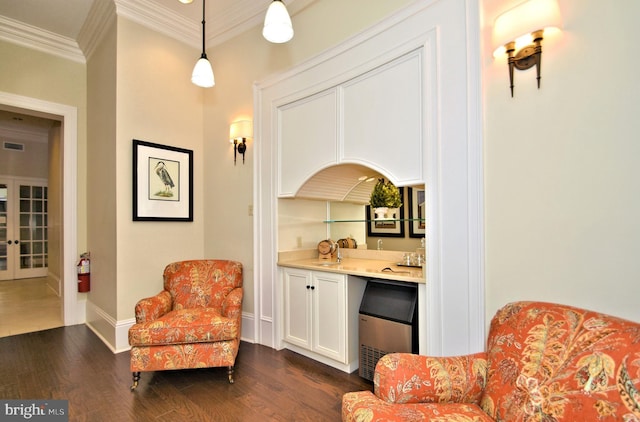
[(328, 263)]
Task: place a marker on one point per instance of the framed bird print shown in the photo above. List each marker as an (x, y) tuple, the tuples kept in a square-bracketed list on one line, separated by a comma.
[(162, 182)]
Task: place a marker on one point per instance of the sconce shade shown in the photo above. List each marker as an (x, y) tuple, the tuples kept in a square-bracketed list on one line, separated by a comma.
[(239, 132), (241, 129), (277, 23), (522, 20), (203, 73), (186, 1)]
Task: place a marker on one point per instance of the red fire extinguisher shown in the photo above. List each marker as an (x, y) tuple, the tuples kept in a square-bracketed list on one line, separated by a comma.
[(84, 273)]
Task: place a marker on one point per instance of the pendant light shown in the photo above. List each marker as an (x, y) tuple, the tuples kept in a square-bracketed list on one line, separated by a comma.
[(202, 72), (277, 23)]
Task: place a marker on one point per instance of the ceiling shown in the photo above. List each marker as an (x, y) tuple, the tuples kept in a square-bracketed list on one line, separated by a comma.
[(66, 17), (45, 24)]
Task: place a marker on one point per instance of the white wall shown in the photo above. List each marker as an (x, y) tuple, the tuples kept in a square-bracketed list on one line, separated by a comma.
[(561, 165)]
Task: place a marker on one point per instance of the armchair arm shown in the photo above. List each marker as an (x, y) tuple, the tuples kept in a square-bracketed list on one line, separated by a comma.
[(409, 378), (152, 308), (232, 303)]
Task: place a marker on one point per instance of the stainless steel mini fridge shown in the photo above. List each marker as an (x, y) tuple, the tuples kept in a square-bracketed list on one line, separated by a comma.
[(388, 322)]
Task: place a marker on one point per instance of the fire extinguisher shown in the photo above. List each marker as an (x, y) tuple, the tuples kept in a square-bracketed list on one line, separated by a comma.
[(84, 273)]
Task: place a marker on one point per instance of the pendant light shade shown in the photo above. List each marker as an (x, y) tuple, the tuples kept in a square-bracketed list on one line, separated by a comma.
[(277, 23), (202, 74)]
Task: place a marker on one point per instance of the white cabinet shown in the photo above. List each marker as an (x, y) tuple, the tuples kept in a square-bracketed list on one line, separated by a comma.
[(321, 315), (308, 130), (375, 119), (382, 115)]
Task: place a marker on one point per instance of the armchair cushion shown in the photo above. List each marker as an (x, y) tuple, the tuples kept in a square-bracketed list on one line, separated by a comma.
[(406, 378), (364, 406), (185, 326)]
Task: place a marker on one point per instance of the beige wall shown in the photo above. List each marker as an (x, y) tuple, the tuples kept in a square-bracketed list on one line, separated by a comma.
[(54, 214), (156, 102), (32, 162), (101, 175), (561, 165)]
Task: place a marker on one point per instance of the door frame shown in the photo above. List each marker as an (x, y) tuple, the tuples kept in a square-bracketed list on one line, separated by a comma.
[(69, 117)]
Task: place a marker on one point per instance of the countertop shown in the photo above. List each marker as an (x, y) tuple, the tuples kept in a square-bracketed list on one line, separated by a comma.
[(361, 263)]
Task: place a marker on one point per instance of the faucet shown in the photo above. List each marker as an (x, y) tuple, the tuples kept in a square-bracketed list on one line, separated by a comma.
[(338, 254), (379, 244)]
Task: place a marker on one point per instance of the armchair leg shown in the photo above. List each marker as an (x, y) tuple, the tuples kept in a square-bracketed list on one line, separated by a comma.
[(230, 373), (136, 378)]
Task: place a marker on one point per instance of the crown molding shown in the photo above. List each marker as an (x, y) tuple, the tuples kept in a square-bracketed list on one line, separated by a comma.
[(160, 19), (100, 17), (240, 17), (19, 33)]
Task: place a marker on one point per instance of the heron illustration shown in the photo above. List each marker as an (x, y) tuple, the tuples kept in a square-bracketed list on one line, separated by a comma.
[(163, 174)]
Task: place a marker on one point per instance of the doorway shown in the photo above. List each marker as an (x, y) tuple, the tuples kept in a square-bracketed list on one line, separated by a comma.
[(30, 289), (63, 198)]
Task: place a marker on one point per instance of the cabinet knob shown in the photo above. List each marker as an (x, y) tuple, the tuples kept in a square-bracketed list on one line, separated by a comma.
[(308, 287), (313, 287)]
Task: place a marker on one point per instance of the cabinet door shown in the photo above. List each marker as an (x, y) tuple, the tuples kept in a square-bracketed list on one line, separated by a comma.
[(297, 307), (329, 319), (308, 140), (383, 115)]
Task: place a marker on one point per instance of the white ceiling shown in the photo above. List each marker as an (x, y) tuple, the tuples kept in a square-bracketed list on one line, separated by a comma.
[(71, 28), (66, 17), (56, 25)]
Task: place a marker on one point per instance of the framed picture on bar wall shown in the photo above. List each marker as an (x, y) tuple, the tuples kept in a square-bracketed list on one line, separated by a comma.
[(417, 223), (385, 228), (162, 182)]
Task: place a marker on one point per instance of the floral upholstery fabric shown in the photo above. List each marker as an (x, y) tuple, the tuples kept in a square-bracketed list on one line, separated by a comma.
[(195, 322), (544, 363)]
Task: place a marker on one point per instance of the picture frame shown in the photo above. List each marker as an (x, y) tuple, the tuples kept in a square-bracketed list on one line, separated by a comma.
[(162, 182), (417, 218), (385, 228)]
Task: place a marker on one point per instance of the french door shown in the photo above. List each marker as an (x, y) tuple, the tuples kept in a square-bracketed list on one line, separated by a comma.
[(23, 228)]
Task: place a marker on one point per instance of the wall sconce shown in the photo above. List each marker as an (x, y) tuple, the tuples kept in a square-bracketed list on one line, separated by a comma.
[(518, 32), (239, 132)]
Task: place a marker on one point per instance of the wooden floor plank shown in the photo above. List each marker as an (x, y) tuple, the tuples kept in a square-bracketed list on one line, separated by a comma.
[(71, 363)]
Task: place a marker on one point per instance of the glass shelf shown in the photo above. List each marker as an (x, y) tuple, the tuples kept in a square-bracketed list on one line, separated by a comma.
[(367, 221)]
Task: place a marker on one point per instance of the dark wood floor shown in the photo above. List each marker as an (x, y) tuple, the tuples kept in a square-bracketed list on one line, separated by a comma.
[(71, 363)]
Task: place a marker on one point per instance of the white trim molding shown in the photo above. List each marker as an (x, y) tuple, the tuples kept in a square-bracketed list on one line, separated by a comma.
[(39, 39)]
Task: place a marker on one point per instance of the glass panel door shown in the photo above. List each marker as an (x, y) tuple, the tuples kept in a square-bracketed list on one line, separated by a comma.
[(23, 236), (4, 235), (33, 230)]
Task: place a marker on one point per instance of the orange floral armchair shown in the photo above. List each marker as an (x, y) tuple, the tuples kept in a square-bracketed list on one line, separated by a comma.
[(544, 363), (195, 322)]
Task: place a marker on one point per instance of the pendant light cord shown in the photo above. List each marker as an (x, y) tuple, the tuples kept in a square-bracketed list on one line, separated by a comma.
[(204, 55)]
